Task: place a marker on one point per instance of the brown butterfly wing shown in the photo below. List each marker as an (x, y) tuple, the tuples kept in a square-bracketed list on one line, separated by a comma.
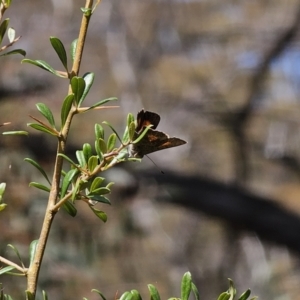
[(155, 141), (145, 118)]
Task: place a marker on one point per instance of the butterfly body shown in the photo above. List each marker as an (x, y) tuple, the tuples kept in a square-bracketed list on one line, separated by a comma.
[(153, 140)]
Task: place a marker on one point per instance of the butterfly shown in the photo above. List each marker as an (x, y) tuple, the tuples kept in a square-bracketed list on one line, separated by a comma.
[(154, 140)]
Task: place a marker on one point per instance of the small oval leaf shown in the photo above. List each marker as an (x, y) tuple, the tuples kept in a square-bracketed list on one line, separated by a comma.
[(6, 269), (70, 208), (99, 131), (81, 158), (66, 107), (11, 34), (99, 191), (153, 292), (39, 186), (32, 250), (2, 188), (111, 142), (43, 65), (46, 112), (87, 151), (20, 132), (96, 183), (73, 49), (67, 180), (15, 51), (78, 86), (131, 131), (101, 103), (99, 198), (100, 214), (92, 163), (3, 28), (245, 295), (89, 80), (102, 145), (2, 206), (186, 286), (42, 128), (195, 291), (60, 51)]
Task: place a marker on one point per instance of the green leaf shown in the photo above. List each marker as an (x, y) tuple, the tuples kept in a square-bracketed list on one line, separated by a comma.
[(81, 159), (100, 191), (45, 296), (46, 112), (39, 186), (99, 293), (39, 167), (186, 286), (87, 151), (245, 295), (78, 86), (101, 103), (66, 107), (99, 198), (73, 49), (17, 253), (102, 146), (89, 80), (111, 142), (100, 214), (3, 28), (109, 185), (142, 134), (130, 119), (126, 296), (2, 188), (2, 206), (60, 51), (29, 295), (231, 290), (32, 250), (136, 295), (67, 180), (98, 150), (76, 189), (92, 163), (96, 183), (106, 123), (7, 3), (153, 292), (195, 291), (224, 296), (87, 11), (70, 208), (11, 34), (16, 51), (67, 159), (42, 128), (131, 131), (43, 65), (20, 132), (6, 269), (99, 131)]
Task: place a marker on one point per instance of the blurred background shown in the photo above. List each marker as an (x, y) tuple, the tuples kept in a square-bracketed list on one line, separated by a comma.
[(224, 76)]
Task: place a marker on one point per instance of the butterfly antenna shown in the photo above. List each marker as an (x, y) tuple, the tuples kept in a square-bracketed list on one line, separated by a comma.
[(161, 171)]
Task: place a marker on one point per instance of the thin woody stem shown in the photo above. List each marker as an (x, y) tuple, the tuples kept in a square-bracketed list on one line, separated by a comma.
[(10, 263), (33, 272)]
